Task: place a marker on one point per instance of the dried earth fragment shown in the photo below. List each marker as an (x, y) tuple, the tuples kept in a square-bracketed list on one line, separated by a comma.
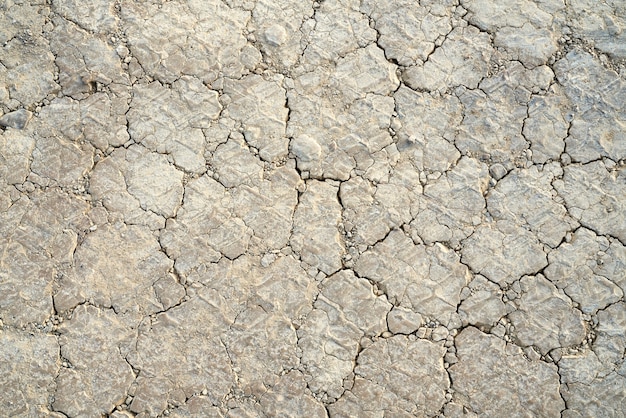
[(16, 149), (128, 281), (316, 234), (545, 317), (453, 204), (290, 396), (493, 378), (593, 381), (38, 241), (95, 376), (448, 67), (194, 348), (337, 29), (428, 127), (201, 39), (337, 117), (528, 198), (408, 32), (524, 28), (370, 212), (396, 376), (345, 310), (601, 23), (61, 157), (276, 26), (427, 280), (260, 106), (483, 307), (154, 182), (600, 207), (546, 126), (494, 114), (610, 343), (503, 252), (109, 186), (577, 268), (28, 366), (598, 95), (589, 388), (27, 70), (170, 120), (282, 285), (92, 15), (86, 62)]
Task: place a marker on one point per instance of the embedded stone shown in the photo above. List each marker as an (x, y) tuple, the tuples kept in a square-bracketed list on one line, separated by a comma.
[(17, 119)]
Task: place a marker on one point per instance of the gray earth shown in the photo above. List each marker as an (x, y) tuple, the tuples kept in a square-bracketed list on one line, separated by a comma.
[(338, 208)]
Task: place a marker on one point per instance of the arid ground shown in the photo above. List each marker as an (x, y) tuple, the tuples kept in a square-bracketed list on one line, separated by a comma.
[(297, 208)]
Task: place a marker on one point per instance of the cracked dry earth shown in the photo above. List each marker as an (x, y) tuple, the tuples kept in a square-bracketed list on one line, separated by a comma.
[(347, 208)]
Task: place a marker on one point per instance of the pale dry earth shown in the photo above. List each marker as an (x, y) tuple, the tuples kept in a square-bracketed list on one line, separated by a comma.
[(338, 208)]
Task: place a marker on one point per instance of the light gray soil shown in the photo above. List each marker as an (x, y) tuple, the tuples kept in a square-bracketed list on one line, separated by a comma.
[(287, 208)]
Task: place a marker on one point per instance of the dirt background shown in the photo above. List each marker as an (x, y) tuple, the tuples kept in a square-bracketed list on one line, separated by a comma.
[(264, 208)]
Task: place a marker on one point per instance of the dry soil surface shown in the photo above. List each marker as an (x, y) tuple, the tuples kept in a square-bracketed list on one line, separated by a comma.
[(294, 208)]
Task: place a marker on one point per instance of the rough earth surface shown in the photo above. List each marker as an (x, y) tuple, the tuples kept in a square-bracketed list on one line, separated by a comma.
[(316, 208)]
